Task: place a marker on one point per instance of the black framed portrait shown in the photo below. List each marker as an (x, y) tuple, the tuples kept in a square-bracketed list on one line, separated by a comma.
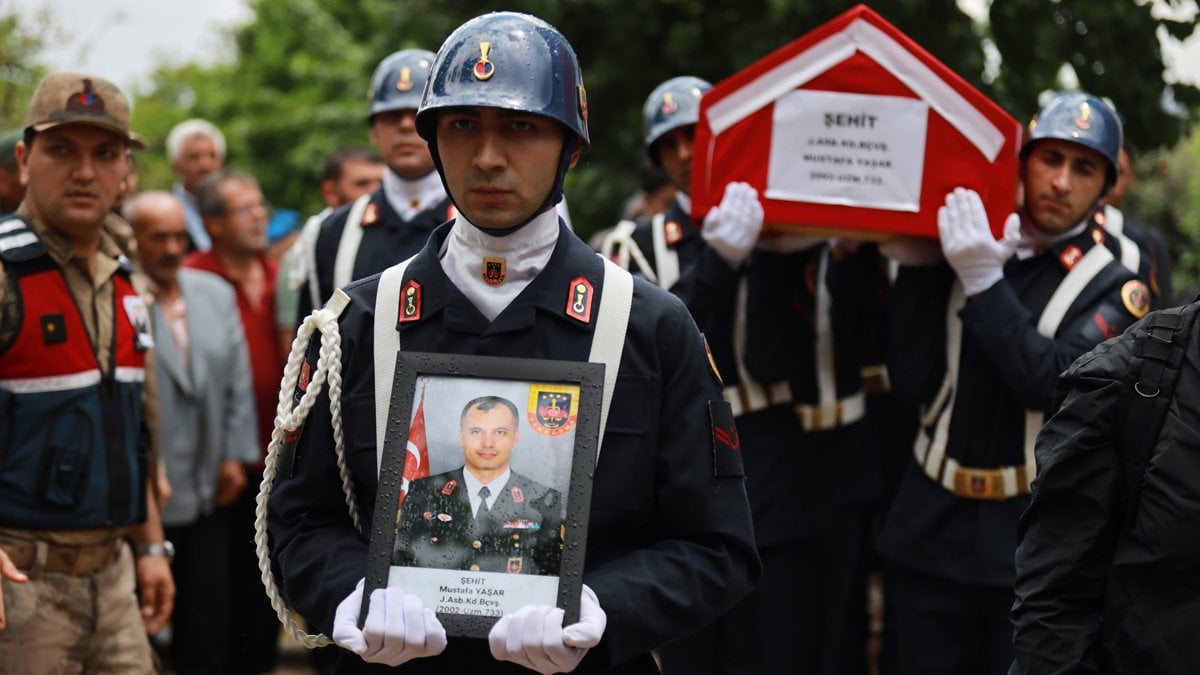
[(485, 485)]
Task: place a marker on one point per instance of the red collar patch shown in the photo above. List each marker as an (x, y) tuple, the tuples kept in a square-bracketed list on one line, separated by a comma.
[(410, 302), (1070, 256), (518, 497), (579, 300), (448, 488), (370, 215), (673, 232)]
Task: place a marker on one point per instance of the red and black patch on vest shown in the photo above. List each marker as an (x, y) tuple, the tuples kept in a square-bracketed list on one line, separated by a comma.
[(727, 445), (518, 497), (673, 232), (54, 329), (579, 300), (494, 271), (449, 487), (410, 303), (515, 565)]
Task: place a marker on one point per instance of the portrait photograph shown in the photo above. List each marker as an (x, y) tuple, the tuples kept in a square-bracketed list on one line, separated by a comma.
[(485, 486)]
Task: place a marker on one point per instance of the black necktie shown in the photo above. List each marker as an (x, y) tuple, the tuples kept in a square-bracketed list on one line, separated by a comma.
[(484, 493)]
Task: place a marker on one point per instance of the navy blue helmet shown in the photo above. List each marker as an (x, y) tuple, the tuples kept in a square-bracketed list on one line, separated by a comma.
[(399, 81), (507, 60), (673, 104), (1079, 117)]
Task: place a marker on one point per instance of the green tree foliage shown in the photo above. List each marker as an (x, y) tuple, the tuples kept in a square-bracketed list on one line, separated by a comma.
[(1113, 49), (20, 69), (298, 87), (1167, 195)]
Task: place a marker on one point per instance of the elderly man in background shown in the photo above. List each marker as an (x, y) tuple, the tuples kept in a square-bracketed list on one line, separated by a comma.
[(204, 391), (195, 148), (235, 215)]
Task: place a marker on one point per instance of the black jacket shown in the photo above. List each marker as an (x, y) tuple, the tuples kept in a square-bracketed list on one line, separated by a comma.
[(1099, 590)]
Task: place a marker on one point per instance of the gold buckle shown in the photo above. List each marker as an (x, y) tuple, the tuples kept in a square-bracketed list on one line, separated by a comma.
[(978, 484)]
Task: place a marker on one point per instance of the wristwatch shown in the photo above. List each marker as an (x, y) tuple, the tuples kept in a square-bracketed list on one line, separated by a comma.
[(165, 550)]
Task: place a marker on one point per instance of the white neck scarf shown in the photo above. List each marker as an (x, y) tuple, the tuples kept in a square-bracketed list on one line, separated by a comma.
[(410, 197), (514, 260)]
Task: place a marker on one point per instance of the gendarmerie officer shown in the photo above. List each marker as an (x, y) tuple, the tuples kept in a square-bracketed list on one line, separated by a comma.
[(371, 233), (978, 344), (670, 542)]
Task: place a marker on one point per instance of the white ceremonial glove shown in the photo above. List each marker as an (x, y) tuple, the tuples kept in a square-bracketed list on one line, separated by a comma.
[(968, 244), (732, 227), (535, 638), (398, 628)]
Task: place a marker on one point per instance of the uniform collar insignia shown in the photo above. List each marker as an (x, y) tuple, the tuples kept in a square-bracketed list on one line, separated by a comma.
[(410, 302), (579, 300), (370, 215)]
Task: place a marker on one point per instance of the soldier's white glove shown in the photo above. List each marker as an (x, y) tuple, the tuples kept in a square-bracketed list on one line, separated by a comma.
[(398, 628), (535, 638), (732, 227), (968, 244)]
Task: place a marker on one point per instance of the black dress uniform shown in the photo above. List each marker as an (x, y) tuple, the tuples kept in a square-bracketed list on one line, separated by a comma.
[(521, 533), (386, 240), (950, 536), (670, 543), (807, 477)]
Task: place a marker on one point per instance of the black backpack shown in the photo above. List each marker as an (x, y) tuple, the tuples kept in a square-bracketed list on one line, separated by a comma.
[(1162, 348)]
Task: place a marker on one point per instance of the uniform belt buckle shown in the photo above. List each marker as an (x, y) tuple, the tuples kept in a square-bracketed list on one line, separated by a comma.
[(978, 483)]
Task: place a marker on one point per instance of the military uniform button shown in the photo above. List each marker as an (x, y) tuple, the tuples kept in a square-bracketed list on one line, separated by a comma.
[(433, 540), (476, 543), (474, 568)]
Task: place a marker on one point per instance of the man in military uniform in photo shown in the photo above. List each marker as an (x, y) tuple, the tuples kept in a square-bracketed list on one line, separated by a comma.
[(371, 233), (978, 340), (787, 318), (74, 351), (669, 538), (455, 520)]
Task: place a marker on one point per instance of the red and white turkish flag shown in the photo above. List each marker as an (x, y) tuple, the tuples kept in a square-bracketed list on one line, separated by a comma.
[(416, 455), (854, 129)]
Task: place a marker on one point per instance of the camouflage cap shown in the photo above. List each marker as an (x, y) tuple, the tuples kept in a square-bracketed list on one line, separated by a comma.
[(76, 98)]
